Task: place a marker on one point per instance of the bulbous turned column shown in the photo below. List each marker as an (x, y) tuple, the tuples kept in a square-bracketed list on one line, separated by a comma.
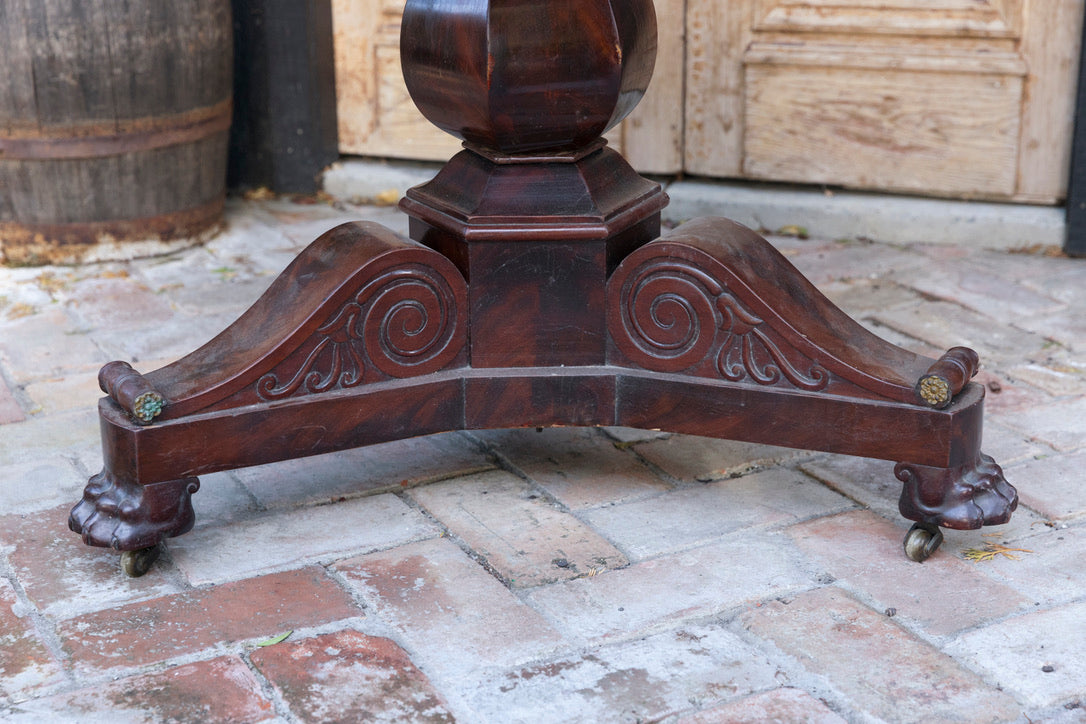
[(528, 76), (537, 210)]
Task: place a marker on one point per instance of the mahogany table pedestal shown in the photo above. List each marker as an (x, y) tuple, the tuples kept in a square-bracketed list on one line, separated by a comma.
[(536, 290)]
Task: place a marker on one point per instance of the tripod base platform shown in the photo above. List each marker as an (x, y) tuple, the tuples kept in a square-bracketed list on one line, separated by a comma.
[(369, 337)]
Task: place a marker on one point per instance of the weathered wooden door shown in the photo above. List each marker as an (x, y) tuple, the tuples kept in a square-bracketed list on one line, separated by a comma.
[(957, 98), (962, 98)]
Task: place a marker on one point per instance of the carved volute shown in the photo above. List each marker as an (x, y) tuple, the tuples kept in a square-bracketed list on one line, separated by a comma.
[(527, 76)]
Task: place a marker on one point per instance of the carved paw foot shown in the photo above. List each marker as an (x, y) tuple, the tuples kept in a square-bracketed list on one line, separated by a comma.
[(964, 497), (126, 516)]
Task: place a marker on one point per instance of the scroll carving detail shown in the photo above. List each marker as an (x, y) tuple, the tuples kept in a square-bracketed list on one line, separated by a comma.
[(403, 322), (669, 314), (748, 351)]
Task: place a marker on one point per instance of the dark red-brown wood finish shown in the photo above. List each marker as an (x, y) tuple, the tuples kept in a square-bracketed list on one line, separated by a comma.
[(536, 290), (522, 76)]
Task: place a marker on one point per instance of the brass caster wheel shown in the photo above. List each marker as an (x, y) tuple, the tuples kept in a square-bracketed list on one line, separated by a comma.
[(922, 540), (136, 563)]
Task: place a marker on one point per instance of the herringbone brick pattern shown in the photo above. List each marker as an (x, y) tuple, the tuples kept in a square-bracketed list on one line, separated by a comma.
[(567, 575)]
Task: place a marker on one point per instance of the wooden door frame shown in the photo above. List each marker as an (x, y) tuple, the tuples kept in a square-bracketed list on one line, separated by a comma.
[(1075, 241), (285, 132)]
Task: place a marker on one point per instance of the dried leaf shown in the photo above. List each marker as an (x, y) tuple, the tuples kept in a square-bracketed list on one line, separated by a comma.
[(261, 194), (795, 230), (51, 283), (225, 273), (990, 551), (388, 197), (275, 640), (20, 310)]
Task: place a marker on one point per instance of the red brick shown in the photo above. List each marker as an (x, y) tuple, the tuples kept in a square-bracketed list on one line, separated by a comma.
[(687, 457), (42, 438), (350, 677), (387, 467), (1057, 377), (76, 390), (9, 408), (946, 325), (292, 539), (521, 534), (219, 690), (862, 297), (646, 679), (1012, 398), (48, 344), (62, 576), (865, 552), (1052, 485), (117, 302), (184, 623), (880, 668), (781, 706), (1039, 657), (692, 584), (706, 513), (1066, 326), (449, 611), (1007, 445), (582, 468), (998, 295), (1057, 278), (1051, 572), (852, 260), (868, 481), (25, 663), (945, 252)]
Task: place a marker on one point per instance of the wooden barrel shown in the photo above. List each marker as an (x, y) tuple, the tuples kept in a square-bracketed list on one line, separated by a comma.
[(114, 119)]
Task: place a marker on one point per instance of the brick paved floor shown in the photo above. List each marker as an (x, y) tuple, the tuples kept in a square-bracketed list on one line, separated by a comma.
[(568, 575)]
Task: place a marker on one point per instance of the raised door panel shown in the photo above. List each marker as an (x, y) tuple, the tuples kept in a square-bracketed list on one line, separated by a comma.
[(376, 114), (960, 98), (717, 35), (882, 120), (955, 18)]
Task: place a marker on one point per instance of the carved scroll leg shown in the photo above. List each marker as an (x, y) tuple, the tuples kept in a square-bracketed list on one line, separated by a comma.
[(964, 498), (126, 516)]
